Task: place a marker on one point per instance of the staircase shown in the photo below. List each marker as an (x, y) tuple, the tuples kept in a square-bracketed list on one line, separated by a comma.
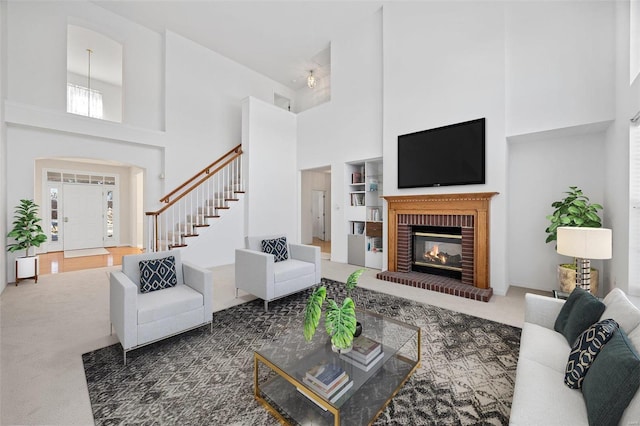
[(196, 202)]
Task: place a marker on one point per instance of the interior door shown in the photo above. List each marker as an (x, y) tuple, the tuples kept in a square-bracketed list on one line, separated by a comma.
[(317, 214), (83, 221)]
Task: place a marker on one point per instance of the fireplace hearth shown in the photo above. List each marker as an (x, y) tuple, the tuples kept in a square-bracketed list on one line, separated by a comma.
[(440, 242)]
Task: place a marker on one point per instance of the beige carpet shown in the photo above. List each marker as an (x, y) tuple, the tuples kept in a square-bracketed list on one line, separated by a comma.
[(68, 254), (46, 327)]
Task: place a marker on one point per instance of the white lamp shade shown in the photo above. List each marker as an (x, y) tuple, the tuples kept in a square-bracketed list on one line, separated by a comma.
[(585, 243)]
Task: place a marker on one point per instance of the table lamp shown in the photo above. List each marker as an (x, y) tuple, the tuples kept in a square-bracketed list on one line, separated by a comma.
[(584, 244)]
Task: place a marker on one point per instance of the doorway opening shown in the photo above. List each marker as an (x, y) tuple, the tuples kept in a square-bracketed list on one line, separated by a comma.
[(316, 209), (90, 208)]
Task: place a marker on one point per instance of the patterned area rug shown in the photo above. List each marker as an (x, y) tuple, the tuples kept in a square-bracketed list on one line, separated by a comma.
[(466, 376)]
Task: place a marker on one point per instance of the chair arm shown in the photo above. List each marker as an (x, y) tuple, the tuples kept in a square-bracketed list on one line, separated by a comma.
[(307, 253), (255, 273), (541, 310), (201, 280), (123, 308)]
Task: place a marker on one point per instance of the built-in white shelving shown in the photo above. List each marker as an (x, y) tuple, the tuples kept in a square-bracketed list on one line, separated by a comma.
[(365, 213)]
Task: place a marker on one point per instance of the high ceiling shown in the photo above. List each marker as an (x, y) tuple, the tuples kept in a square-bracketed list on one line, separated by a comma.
[(280, 39)]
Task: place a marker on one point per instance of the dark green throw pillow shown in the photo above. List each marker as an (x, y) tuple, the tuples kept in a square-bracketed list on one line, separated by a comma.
[(612, 381), (579, 311)]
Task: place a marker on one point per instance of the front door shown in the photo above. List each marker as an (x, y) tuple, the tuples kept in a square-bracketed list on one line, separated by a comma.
[(83, 221)]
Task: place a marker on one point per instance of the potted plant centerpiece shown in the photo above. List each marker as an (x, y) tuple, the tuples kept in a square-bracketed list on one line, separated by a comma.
[(574, 210), (340, 320), (27, 233)]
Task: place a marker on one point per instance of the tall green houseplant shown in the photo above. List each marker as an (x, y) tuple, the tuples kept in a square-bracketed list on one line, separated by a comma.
[(340, 320), (26, 231), (574, 210)]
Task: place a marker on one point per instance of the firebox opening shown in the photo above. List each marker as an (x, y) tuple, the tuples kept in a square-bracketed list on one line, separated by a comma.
[(437, 250)]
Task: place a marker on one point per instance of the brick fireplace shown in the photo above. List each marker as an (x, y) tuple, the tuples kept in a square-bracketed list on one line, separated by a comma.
[(467, 212)]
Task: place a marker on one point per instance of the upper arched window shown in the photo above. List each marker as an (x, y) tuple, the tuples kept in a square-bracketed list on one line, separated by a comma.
[(94, 74)]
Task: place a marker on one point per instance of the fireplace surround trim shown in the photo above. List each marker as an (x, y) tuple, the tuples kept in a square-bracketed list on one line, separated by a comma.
[(467, 204)]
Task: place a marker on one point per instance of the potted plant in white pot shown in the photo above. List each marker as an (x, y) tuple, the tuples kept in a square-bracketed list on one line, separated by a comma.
[(574, 210), (27, 233)]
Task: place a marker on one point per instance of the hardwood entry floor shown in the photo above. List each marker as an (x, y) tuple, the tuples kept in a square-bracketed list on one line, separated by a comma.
[(325, 246), (54, 262)]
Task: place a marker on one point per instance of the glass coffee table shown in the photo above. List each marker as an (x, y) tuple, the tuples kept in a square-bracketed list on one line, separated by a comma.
[(362, 388)]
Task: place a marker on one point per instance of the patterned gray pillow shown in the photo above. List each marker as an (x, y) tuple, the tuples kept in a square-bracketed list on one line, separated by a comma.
[(585, 350), (276, 247), (156, 274)]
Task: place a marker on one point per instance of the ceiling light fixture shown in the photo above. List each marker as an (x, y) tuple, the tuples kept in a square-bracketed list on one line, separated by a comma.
[(311, 80)]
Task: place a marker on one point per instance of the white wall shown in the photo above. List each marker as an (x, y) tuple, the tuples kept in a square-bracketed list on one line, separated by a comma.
[(217, 244), (617, 154), (541, 170), (560, 64), (37, 59), (458, 76), (168, 81), (26, 144), (273, 187), (3, 143), (349, 127), (204, 95)]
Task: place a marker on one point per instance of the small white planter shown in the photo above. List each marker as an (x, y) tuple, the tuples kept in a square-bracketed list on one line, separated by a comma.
[(27, 267)]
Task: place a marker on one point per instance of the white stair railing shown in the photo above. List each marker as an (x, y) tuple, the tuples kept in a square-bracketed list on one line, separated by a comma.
[(193, 203)]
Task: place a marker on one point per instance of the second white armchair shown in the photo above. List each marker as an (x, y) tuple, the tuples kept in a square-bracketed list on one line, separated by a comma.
[(257, 271)]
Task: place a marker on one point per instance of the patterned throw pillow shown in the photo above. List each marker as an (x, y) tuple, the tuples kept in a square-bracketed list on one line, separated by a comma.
[(156, 274), (585, 350), (276, 247)]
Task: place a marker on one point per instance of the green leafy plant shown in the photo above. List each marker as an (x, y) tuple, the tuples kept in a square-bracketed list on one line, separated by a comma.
[(26, 231), (340, 320), (574, 210)]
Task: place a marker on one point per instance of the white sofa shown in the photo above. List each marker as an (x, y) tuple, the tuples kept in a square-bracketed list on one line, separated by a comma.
[(257, 273), (142, 318), (540, 395)]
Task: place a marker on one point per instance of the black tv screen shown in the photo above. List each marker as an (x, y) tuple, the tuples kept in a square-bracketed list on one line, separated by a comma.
[(448, 155)]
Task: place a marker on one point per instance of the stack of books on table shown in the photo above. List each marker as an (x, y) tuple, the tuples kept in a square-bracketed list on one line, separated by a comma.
[(365, 354), (328, 380)]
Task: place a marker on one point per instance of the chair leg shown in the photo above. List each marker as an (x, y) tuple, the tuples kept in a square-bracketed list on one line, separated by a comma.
[(110, 329), (236, 292), (266, 306), (124, 355)]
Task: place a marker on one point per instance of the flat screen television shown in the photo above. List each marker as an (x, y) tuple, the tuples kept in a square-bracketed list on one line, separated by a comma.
[(448, 155)]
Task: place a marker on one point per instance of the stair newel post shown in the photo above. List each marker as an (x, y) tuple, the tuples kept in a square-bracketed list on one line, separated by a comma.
[(153, 232)]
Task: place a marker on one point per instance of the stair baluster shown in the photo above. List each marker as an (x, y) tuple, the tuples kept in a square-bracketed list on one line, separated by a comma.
[(193, 203)]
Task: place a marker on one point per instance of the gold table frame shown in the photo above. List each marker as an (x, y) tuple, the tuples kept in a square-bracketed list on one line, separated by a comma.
[(309, 393)]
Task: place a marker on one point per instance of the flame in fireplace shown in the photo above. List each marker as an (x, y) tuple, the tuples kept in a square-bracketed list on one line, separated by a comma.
[(435, 255)]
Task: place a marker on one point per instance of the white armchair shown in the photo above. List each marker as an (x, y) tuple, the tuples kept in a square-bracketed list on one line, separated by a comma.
[(143, 318), (259, 274)]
